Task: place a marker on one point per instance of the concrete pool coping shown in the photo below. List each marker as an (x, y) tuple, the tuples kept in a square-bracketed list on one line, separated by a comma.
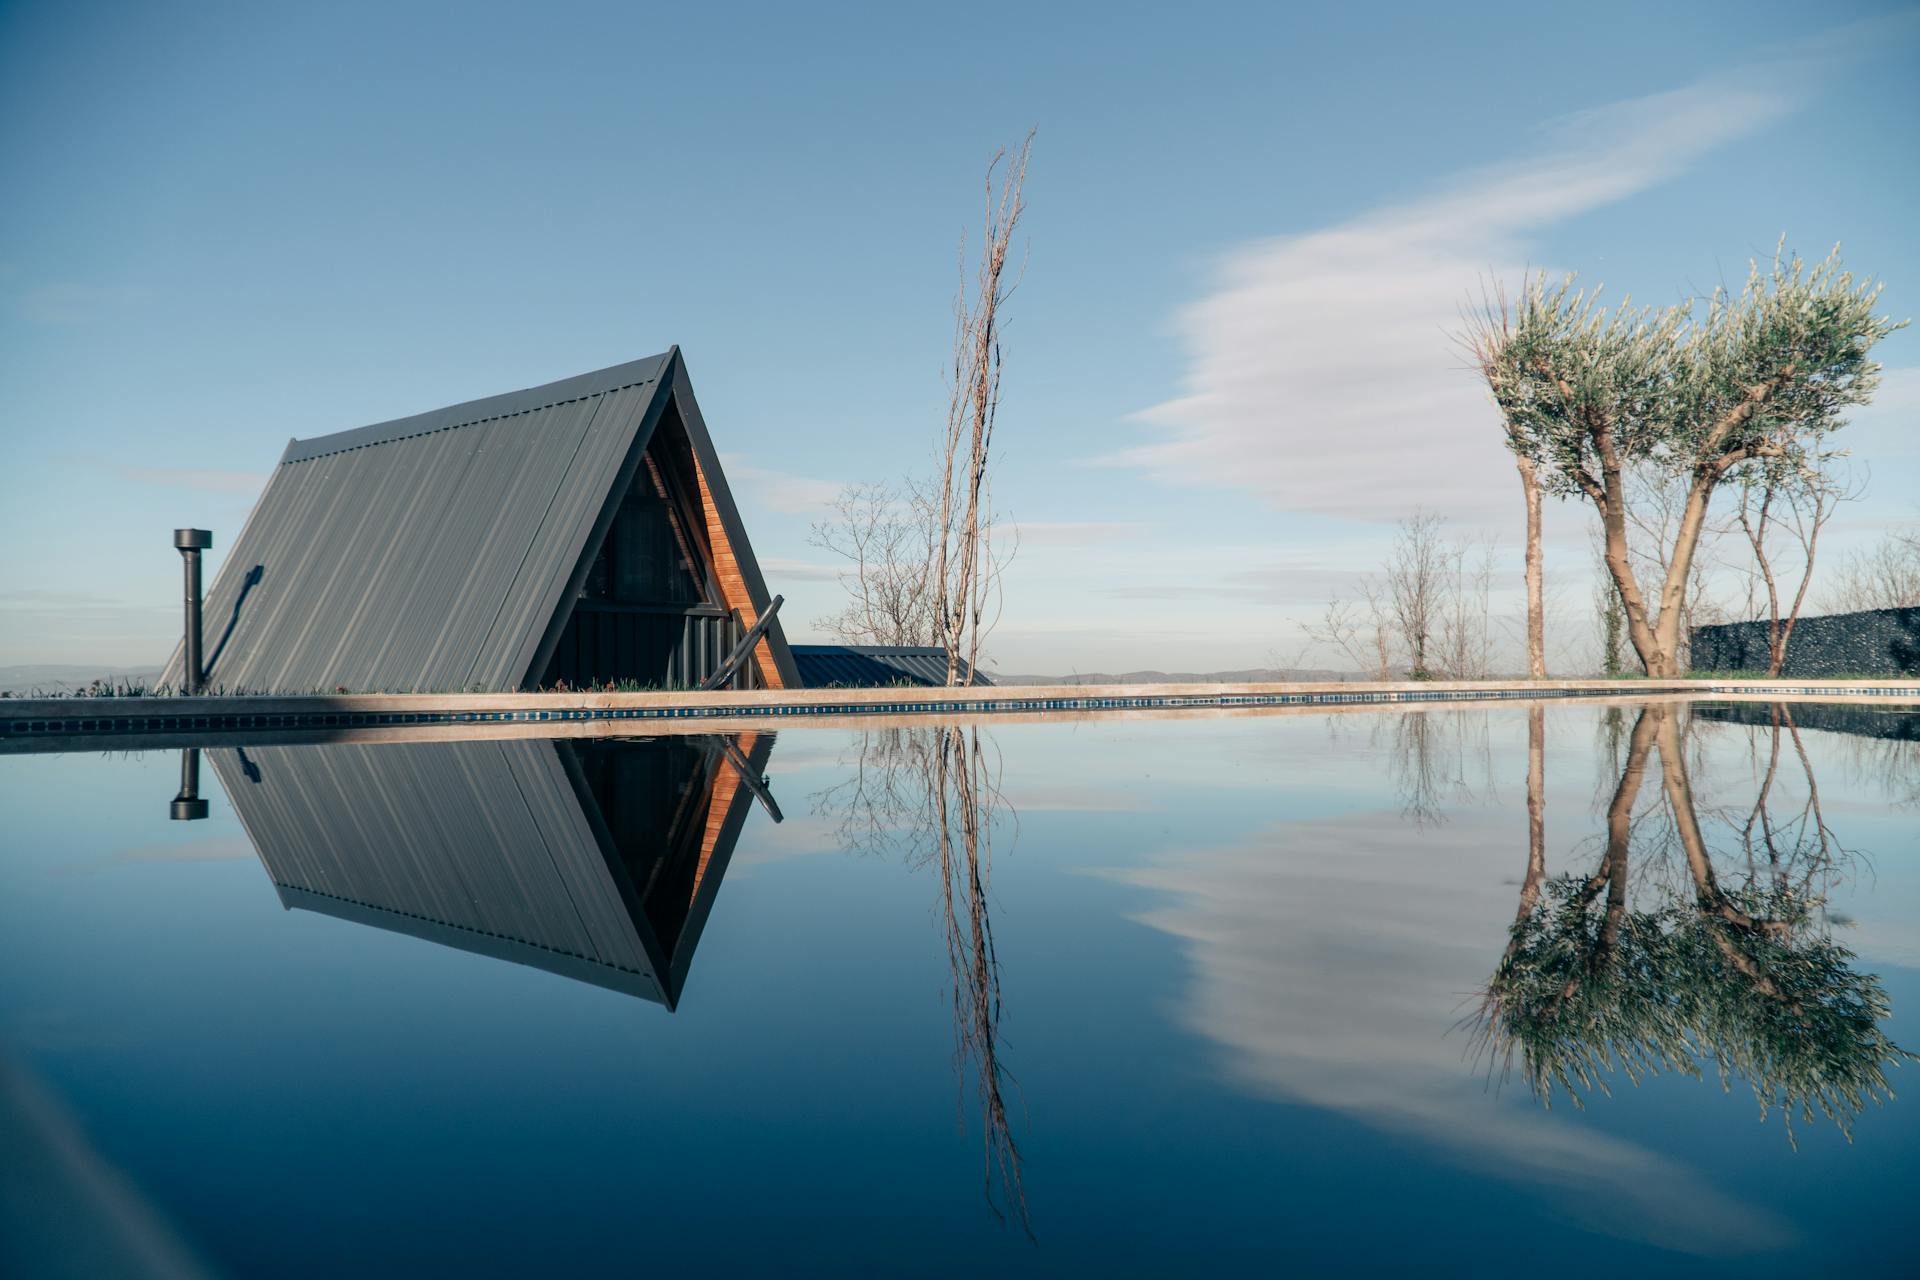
[(55, 724)]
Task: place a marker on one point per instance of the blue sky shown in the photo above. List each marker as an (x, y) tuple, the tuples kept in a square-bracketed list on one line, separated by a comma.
[(1228, 365)]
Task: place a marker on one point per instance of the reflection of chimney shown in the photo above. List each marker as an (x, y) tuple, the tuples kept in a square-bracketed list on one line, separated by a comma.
[(190, 543), (188, 806)]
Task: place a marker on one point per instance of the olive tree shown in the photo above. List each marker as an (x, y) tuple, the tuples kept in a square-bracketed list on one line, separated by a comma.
[(1590, 394)]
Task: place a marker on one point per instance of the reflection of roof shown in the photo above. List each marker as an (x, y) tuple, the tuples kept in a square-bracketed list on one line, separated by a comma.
[(595, 860), (871, 666)]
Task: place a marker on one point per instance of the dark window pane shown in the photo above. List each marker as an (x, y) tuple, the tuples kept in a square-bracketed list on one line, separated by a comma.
[(647, 565)]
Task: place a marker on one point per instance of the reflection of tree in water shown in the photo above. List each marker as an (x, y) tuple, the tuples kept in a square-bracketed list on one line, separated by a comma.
[(933, 796), (1746, 974), (1436, 758)]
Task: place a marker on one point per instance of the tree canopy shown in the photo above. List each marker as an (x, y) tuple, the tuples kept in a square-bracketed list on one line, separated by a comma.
[(1589, 393)]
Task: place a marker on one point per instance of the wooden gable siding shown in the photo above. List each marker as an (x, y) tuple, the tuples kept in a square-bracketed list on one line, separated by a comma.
[(733, 586)]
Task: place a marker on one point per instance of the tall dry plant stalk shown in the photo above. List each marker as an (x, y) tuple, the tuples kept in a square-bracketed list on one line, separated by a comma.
[(966, 579), (932, 796), (966, 791)]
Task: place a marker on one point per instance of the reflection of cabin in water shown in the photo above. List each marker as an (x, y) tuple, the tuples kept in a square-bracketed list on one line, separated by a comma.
[(596, 860)]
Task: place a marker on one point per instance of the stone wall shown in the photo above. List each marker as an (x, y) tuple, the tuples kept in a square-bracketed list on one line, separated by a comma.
[(1876, 642)]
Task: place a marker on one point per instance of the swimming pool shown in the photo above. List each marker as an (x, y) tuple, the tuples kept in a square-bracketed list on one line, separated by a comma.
[(1399, 989)]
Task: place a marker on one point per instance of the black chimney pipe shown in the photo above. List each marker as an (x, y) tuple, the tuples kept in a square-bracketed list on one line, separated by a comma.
[(190, 543), (188, 806)]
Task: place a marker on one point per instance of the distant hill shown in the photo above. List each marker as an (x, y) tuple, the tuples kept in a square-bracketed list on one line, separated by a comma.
[(55, 677), (1259, 675)]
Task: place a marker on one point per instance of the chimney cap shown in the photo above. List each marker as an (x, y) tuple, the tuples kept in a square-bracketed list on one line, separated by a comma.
[(192, 539)]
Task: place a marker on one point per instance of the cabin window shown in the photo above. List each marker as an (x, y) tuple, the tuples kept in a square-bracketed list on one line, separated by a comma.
[(644, 560)]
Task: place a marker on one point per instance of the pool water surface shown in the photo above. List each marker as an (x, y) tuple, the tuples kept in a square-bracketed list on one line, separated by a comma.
[(1600, 987)]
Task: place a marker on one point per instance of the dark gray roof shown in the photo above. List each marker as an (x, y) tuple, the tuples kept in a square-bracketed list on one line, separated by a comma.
[(873, 666), (495, 847), (442, 552)]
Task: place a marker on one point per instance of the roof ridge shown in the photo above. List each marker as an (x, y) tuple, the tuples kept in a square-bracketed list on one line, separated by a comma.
[(508, 404)]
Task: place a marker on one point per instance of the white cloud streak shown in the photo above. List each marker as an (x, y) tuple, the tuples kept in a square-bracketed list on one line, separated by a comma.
[(203, 480), (1320, 371), (781, 491)]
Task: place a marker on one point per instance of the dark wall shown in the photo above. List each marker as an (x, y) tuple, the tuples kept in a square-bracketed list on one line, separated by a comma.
[(1876, 642), (661, 650), (1898, 724)]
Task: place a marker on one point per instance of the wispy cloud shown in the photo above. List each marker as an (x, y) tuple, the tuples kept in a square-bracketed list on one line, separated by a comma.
[(1077, 533), (1071, 798), (1886, 428), (782, 491), (37, 598), (788, 570), (71, 302), (204, 480), (1320, 373)]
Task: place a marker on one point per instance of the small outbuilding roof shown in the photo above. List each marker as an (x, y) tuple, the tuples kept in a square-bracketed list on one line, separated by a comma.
[(874, 666)]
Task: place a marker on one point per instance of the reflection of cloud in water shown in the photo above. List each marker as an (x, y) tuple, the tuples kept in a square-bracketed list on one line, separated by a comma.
[(1331, 962), (801, 835), (216, 848), (1068, 798)]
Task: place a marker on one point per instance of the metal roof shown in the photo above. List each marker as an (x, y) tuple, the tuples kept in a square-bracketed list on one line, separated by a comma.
[(442, 552), (874, 666), (499, 847)]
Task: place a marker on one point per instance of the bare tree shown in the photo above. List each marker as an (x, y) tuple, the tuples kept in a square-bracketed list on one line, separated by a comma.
[(1416, 578), (1360, 630), (1465, 650), (1886, 576), (1794, 503), (964, 582), (886, 534), (1429, 608)]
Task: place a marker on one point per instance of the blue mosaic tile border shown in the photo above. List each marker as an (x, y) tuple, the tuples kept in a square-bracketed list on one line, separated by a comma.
[(216, 723)]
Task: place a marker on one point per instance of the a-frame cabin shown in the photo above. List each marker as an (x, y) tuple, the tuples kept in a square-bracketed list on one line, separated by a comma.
[(580, 532)]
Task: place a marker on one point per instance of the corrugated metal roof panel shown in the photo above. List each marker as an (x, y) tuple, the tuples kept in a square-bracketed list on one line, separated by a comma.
[(428, 554), (873, 666), (436, 553)]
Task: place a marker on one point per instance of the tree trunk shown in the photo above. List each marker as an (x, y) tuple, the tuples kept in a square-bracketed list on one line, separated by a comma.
[(1536, 809), (1673, 592), (1686, 824), (1610, 498), (1640, 633), (1536, 601), (1655, 637)]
